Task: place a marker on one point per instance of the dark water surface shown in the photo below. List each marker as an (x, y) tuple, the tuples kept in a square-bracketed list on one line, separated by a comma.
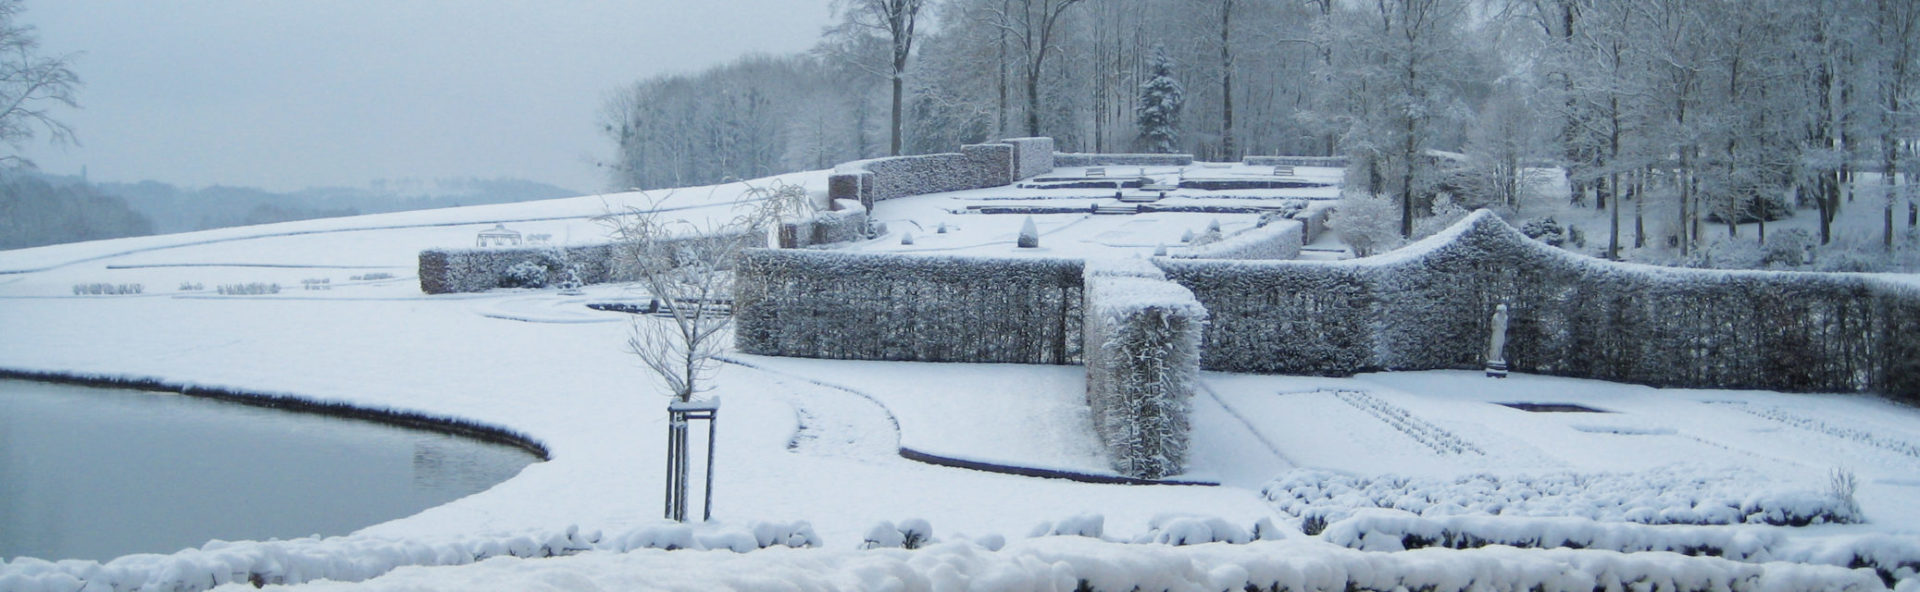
[(92, 473)]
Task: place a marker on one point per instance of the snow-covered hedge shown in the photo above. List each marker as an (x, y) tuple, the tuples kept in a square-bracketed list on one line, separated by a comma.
[(836, 226), (1278, 240), (1428, 305), (447, 271), (1032, 157), (1891, 557), (1657, 497), (1337, 162), (1142, 350), (834, 304), (1087, 159), (355, 558)]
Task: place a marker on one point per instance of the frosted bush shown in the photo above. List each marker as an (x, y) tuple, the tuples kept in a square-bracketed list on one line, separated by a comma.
[(525, 274), (1081, 525), (248, 289), (884, 535), (1029, 235)]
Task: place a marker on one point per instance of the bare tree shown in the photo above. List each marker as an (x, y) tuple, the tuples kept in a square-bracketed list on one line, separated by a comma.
[(1032, 25), (897, 19), (686, 267), (31, 86)]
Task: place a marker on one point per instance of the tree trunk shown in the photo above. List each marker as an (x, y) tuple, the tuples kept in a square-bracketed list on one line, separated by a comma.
[(1227, 149), (894, 143)]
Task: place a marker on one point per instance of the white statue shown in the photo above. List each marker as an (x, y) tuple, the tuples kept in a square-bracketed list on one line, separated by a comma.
[(1497, 348)]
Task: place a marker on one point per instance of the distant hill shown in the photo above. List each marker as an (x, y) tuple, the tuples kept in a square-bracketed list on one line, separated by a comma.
[(34, 212), (174, 209)]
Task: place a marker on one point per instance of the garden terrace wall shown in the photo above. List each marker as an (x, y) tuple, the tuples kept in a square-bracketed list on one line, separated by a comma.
[(831, 304), (1278, 240), (1077, 159), (1428, 306), (975, 166), (1142, 352), (449, 271), (1336, 162)]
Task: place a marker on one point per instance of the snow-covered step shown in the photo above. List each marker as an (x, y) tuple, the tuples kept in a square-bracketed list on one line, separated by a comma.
[(1116, 209)]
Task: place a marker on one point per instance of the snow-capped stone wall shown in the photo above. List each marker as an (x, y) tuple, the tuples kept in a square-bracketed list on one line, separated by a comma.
[(1278, 240), (861, 306), (1084, 159), (1142, 351), (1429, 305)]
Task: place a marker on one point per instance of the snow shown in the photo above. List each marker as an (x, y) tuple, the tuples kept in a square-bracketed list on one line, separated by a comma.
[(808, 449)]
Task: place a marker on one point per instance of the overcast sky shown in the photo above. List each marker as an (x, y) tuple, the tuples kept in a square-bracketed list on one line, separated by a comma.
[(285, 94)]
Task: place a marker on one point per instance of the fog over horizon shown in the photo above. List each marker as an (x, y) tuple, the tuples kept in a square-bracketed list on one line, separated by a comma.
[(284, 95)]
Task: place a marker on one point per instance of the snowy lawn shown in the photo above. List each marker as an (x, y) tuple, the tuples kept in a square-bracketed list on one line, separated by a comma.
[(792, 446)]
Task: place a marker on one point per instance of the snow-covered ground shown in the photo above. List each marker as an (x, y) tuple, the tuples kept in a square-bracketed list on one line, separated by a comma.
[(818, 440)]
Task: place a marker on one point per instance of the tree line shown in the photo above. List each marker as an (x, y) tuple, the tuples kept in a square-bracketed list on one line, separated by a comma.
[(1716, 111)]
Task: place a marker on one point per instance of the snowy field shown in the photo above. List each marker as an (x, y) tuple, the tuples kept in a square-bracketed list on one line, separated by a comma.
[(1423, 456)]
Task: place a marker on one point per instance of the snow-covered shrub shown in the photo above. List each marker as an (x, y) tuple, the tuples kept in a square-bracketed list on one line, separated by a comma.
[(1029, 236), (1445, 213), (316, 284), (915, 533), (1186, 236), (884, 535), (842, 305), (785, 534), (378, 275), (1080, 525), (1277, 240), (1178, 530), (941, 229), (1841, 485), (906, 238), (1142, 359), (1366, 222), (525, 274), (1545, 230), (191, 286), (105, 289), (1673, 495), (1787, 248), (248, 289)]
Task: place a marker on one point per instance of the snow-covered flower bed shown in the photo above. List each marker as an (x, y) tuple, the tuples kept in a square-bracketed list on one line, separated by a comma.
[(1662, 496)]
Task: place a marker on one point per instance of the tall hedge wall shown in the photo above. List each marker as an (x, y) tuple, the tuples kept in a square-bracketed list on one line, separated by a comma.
[(1142, 358), (1429, 307), (1083, 159), (832, 304), (973, 167)]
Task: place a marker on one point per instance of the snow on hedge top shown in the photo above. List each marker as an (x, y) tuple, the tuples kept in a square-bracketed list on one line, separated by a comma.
[(1134, 267), (1121, 296)]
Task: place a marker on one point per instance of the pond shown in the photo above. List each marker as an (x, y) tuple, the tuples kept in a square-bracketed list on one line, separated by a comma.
[(94, 473)]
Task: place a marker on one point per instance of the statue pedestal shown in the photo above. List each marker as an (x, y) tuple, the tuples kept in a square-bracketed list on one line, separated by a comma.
[(1497, 369)]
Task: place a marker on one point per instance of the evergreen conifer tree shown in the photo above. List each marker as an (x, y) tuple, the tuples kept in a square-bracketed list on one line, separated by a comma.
[(1158, 115)]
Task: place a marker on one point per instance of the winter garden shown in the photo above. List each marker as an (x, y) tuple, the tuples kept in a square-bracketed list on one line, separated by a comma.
[(1573, 295), (1183, 381)]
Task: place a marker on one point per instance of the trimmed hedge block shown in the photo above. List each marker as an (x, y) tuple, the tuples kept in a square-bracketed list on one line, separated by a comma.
[(1142, 336), (1279, 240), (840, 305)]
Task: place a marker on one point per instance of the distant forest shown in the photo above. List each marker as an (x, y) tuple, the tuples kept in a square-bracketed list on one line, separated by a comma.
[(1707, 107), (38, 209)]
